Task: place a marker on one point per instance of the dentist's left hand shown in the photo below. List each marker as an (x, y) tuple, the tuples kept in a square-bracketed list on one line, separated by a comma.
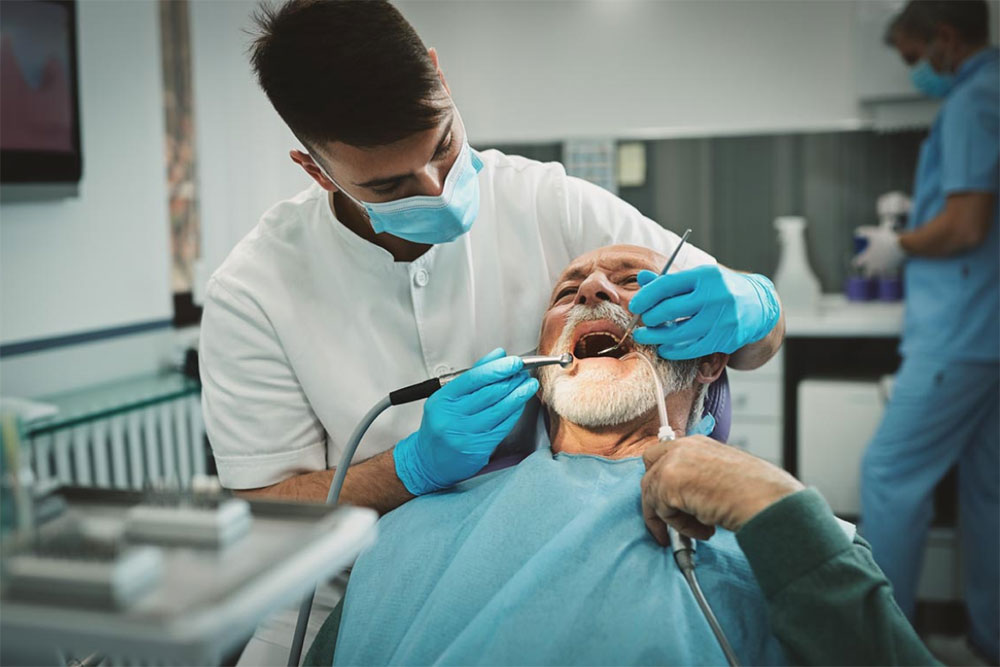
[(720, 311), (463, 423)]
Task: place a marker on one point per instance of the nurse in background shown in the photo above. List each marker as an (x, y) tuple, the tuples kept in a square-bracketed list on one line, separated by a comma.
[(944, 406)]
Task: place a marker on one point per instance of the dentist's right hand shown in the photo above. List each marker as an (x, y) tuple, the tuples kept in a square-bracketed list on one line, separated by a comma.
[(463, 423)]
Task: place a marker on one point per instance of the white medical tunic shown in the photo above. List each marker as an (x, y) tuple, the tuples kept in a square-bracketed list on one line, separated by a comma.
[(306, 325)]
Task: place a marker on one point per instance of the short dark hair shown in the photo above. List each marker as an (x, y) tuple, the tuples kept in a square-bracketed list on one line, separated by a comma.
[(970, 18), (352, 71)]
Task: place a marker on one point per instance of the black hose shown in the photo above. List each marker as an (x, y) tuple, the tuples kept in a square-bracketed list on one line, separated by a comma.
[(298, 639)]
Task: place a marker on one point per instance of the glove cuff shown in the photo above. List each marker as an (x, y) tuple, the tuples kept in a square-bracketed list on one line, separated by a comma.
[(768, 299), (409, 469)]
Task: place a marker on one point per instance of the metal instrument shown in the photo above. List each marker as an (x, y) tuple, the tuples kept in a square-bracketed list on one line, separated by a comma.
[(421, 390), (635, 318)]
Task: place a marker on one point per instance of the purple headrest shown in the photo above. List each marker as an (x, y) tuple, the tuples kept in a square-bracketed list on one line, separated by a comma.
[(718, 404)]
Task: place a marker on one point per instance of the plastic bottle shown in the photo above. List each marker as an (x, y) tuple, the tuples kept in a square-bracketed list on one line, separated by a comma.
[(893, 209), (794, 279)]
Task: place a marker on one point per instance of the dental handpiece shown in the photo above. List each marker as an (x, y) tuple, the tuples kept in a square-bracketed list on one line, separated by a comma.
[(420, 390), (531, 362)]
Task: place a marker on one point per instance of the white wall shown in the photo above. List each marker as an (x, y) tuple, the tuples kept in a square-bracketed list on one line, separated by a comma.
[(100, 259), (242, 143), (551, 69), (543, 70)]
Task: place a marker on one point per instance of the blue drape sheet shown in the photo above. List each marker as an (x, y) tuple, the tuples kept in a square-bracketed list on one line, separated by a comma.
[(548, 562)]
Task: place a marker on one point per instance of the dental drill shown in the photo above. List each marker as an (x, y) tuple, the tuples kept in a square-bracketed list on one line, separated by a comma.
[(682, 545), (424, 389), (413, 392)]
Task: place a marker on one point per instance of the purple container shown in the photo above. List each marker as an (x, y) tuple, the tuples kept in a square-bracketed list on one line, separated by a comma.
[(890, 289), (857, 288)]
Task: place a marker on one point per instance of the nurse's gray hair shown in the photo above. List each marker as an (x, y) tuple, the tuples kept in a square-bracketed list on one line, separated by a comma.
[(351, 71), (920, 18)]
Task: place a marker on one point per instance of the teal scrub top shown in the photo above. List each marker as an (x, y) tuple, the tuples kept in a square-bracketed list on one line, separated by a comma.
[(953, 303)]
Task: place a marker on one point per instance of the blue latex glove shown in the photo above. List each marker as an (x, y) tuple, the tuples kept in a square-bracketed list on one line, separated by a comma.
[(463, 423), (722, 311)]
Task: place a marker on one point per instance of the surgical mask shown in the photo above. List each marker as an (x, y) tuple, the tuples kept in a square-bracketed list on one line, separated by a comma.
[(432, 219), (703, 427), (930, 82)]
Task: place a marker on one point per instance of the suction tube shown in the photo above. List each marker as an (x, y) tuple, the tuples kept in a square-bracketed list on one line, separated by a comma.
[(665, 433), (682, 545)]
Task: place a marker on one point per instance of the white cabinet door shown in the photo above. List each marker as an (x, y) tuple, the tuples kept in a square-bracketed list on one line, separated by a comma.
[(837, 418), (753, 397), (760, 437)]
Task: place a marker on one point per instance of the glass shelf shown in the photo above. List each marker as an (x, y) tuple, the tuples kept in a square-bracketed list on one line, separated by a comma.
[(106, 400)]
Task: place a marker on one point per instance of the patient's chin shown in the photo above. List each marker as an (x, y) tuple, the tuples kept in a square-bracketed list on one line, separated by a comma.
[(597, 395)]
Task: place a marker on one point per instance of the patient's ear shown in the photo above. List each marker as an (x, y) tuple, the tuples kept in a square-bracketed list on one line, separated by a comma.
[(711, 367)]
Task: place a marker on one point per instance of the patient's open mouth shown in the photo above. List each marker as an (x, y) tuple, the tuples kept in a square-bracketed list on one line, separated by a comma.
[(590, 345)]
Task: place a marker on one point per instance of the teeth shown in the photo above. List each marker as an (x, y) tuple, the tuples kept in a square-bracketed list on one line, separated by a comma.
[(599, 333), (585, 348)]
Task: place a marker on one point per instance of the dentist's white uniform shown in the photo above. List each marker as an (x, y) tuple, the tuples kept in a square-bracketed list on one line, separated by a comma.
[(306, 325)]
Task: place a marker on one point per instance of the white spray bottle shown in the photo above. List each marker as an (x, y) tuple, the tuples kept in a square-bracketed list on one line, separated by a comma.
[(794, 279)]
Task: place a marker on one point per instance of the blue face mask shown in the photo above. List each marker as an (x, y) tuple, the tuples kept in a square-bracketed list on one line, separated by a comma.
[(704, 427), (930, 82), (432, 219)]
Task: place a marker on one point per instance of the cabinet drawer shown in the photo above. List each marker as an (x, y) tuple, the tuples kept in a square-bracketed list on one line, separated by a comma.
[(759, 437), (753, 397)]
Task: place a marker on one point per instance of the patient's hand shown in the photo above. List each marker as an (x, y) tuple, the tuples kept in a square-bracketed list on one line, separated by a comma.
[(696, 483)]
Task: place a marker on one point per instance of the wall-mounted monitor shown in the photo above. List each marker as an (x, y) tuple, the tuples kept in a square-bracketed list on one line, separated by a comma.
[(39, 107)]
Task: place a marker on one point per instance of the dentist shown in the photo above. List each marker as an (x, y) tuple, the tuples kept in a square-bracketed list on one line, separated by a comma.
[(412, 255)]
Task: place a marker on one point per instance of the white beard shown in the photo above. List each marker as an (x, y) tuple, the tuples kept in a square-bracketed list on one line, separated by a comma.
[(599, 396)]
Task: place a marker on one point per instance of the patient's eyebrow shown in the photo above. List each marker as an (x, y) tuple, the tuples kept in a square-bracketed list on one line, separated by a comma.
[(578, 273), (625, 263)]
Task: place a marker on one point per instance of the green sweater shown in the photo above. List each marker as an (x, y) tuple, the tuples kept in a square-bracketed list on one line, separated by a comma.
[(828, 601)]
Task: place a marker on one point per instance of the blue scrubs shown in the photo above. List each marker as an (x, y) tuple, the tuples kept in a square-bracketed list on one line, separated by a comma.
[(944, 407)]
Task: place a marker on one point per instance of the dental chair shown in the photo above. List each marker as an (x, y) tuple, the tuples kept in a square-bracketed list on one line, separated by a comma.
[(509, 453)]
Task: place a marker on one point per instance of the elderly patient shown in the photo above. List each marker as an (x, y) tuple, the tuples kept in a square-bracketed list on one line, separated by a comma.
[(549, 561)]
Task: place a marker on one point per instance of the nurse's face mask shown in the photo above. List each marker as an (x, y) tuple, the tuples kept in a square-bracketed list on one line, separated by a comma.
[(430, 219), (930, 82), (927, 79)]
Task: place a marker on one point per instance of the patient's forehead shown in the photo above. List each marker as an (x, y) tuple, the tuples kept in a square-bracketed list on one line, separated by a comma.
[(613, 258)]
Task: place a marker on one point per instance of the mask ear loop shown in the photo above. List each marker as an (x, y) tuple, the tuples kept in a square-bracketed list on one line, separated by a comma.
[(360, 204), (665, 433)]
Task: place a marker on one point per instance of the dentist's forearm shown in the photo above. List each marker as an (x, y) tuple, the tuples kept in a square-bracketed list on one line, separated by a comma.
[(755, 355), (374, 483), (371, 483)]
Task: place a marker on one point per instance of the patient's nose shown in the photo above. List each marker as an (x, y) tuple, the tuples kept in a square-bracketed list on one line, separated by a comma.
[(596, 288)]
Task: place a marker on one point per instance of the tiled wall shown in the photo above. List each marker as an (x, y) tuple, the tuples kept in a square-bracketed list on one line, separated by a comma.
[(730, 189)]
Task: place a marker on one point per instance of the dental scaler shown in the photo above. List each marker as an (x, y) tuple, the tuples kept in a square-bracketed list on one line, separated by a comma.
[(420, 390)]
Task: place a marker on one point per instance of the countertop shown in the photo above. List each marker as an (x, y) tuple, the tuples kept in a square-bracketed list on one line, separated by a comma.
[(839, 318)]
